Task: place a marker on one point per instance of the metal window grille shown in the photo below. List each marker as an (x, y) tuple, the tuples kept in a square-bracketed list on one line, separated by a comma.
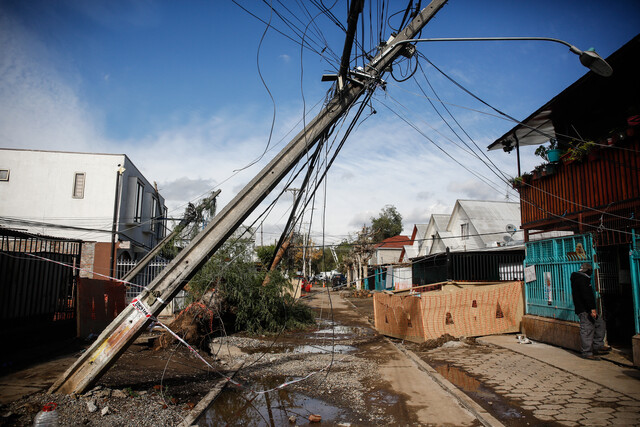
[(143, 279)]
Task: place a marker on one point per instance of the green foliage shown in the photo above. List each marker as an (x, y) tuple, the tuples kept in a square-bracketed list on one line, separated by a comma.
[(387, 224), (579, 150), (232, 262), (257, 309), (265, 254), (265, 308)]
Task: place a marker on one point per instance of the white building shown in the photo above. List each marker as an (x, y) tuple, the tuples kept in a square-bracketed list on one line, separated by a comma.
[(389, 250), (102, 199), (481, 224)]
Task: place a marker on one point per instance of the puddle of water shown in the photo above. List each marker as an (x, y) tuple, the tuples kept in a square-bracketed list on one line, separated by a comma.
[(324, 349), (315, 349), (238, 407), (497, 405), (337, 330), (381, 397)]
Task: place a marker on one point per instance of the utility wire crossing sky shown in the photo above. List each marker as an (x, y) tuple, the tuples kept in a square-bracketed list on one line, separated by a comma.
[(201, 96)]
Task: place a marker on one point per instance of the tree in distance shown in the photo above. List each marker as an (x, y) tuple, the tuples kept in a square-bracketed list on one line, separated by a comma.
[(387, 224)]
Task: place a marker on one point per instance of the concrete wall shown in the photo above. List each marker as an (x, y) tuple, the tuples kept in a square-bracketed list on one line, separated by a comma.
[(552, 331), (40, 189)]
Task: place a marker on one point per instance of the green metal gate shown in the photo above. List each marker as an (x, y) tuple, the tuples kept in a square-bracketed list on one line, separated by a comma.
[(634, 261), (549, 294)]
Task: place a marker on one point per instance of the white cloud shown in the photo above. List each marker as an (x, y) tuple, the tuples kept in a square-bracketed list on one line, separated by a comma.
[(383, 162), (38, 109)]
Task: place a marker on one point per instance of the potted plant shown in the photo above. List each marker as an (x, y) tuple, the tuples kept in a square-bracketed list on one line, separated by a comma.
[(578, 151), (551, 153), (538, 171), (516, 182)]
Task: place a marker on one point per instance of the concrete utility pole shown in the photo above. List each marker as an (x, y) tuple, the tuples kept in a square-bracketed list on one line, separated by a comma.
[(115, 339)]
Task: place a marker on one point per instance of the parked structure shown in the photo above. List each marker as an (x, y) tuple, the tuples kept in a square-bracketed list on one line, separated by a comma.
[(592, 192), (101, 199)]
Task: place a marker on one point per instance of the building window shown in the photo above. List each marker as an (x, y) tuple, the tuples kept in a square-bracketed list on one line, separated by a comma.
[(165, 214), (464, 231), (137, 217), (4, 174), (154, 214), (78, 185)]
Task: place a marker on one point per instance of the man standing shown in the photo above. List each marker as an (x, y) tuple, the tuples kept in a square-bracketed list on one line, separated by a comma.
[(592, 327)]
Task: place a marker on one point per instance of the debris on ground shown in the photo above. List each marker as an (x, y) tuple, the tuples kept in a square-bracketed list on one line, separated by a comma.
[(438, 342), (194, 324), (313, 418), (362, 293)]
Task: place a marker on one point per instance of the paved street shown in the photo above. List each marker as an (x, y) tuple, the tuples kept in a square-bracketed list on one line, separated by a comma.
[(546, 382)]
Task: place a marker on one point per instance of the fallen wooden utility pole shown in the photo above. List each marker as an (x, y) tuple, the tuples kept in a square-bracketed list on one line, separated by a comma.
[(115, 339), (131, 275)]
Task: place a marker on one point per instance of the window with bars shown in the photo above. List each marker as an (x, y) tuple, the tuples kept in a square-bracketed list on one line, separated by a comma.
[(79, 180)]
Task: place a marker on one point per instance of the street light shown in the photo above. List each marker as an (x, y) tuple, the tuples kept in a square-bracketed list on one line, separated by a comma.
[(588, 58)]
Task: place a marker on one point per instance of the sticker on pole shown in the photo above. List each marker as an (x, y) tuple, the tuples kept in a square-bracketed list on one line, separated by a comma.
[(141, 307)]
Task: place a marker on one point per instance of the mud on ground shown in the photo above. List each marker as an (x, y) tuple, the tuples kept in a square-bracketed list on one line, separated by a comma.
[(150, 387)]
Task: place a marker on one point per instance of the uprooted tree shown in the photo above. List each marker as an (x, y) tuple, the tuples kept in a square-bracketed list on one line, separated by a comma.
[(228, 295)]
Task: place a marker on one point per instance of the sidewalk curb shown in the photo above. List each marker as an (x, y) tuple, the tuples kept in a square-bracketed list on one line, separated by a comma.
[(465, 401), (478, 411)]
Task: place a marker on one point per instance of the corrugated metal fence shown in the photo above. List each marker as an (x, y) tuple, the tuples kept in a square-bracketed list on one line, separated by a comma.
[(37, 293), (549, 294), (488, 266)]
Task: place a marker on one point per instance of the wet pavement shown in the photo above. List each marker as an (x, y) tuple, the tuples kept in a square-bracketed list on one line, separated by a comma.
[(527, 387), (376, 381)]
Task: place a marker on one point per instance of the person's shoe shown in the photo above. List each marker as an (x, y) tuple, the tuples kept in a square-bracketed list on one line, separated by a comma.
[(590, 357), (603, 350)]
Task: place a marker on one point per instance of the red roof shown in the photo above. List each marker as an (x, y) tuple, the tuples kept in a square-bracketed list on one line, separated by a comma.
[(395, 242)]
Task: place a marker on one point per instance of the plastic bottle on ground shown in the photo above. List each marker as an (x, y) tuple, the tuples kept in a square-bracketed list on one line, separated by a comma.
[(47, 417)]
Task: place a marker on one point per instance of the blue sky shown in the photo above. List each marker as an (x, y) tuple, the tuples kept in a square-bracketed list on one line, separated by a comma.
[(175, 86)]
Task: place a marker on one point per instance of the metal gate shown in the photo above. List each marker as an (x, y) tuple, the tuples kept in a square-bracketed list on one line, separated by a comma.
[(634, 261), (37, 286), (143, 278), (548, 292)]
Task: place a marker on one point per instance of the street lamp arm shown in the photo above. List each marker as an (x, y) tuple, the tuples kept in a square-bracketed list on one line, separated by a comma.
[(588, 58), (481, 39)]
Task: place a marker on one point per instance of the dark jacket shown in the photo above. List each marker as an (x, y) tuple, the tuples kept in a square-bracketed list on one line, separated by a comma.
[(582, 293)]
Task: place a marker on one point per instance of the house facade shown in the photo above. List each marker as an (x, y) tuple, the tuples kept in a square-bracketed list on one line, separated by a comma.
[(592, 195), (389, 250), (102, 199), (480, 224)]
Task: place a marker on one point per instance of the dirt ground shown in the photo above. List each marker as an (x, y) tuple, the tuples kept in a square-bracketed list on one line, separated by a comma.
[(334, 370)]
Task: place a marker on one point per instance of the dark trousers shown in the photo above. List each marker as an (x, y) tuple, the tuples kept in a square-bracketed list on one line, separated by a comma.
[(591, 333)]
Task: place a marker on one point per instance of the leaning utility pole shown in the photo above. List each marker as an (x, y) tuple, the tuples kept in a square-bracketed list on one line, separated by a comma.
[(115, 339)]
